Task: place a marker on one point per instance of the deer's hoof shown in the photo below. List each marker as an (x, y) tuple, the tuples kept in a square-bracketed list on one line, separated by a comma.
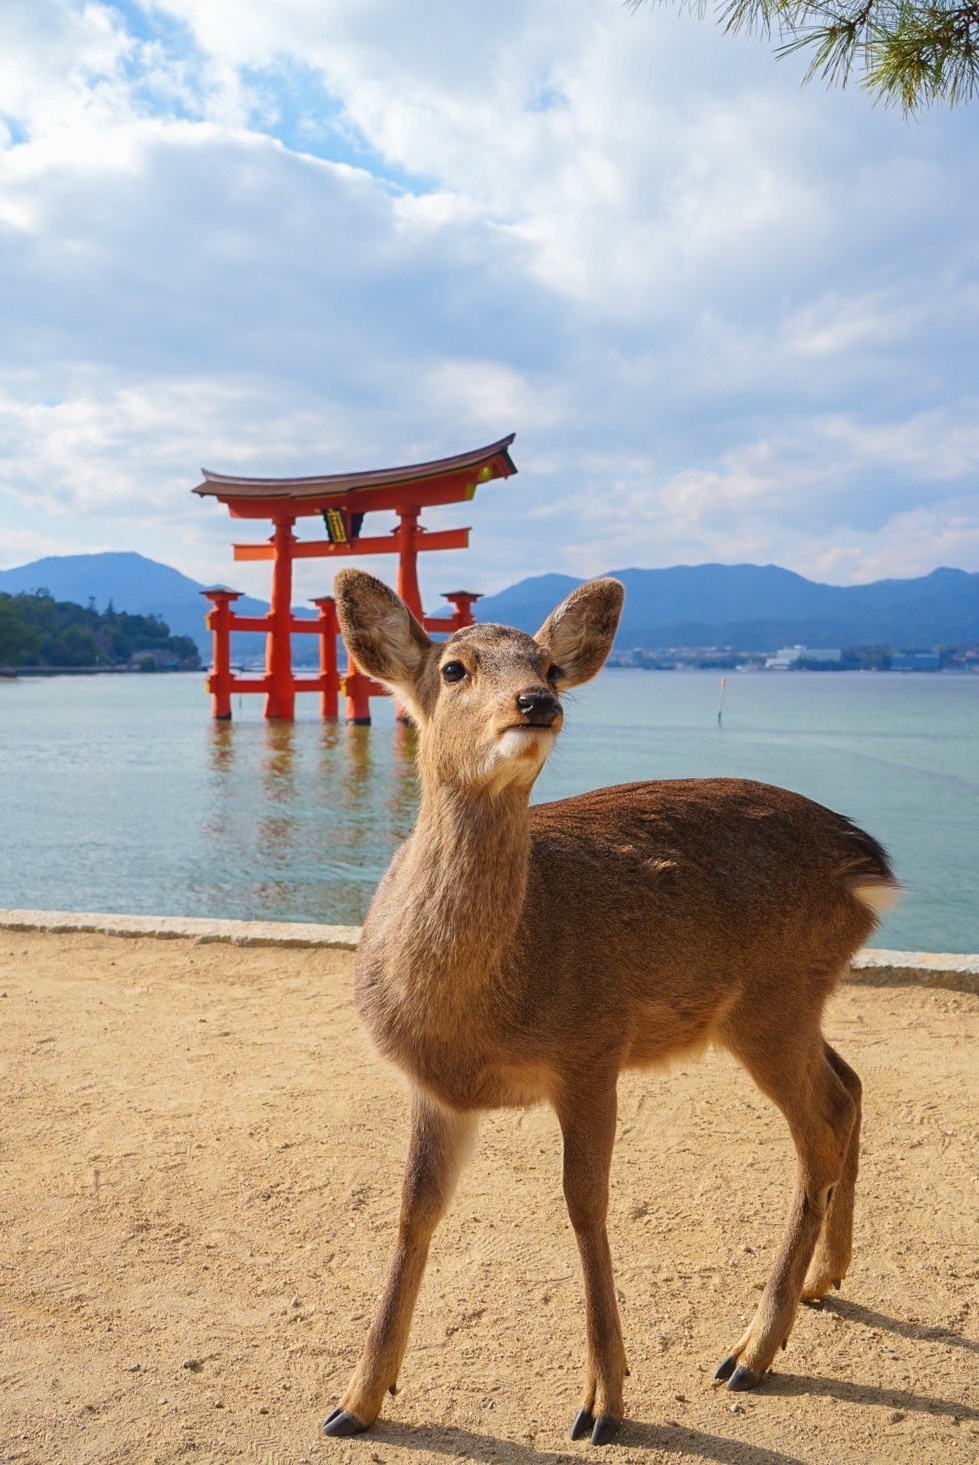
[(743, 1378), (606, 1426), (584, 1423), (601, 1429), (342, 1423), (724, 1370)]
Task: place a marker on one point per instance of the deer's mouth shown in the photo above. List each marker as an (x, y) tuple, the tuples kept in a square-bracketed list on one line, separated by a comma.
[(525, 740), (529, 733)]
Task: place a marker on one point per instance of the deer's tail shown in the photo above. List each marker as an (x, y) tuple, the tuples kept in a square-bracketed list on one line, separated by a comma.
[(868, 874)]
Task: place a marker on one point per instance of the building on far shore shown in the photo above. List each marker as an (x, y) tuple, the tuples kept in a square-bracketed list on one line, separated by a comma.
[(790, 656), (960, 658)]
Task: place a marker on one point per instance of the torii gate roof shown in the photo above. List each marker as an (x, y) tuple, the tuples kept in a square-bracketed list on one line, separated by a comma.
[(478, 466)]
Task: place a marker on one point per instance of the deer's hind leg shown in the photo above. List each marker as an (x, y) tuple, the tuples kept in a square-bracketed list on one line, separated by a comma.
[(834, 1248), (811, 1091)]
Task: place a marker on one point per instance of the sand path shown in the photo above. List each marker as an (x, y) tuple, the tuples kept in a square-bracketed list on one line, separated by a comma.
[(200, 1163)]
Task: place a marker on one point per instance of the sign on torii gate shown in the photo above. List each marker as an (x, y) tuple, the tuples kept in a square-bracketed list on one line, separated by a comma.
[(341, 500)]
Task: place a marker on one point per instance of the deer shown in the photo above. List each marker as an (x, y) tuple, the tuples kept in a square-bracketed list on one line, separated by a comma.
[(515, 955)]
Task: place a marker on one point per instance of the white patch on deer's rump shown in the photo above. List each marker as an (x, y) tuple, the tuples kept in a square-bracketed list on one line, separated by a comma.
[(879, 898)]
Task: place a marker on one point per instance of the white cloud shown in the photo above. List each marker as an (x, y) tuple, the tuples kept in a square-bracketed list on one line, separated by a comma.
[(727, 319)]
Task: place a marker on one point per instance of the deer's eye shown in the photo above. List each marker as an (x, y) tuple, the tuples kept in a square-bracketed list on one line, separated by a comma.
[(554, 674), (453, 671)]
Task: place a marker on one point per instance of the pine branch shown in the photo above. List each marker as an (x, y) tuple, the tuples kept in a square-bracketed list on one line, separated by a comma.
[(909, 52)]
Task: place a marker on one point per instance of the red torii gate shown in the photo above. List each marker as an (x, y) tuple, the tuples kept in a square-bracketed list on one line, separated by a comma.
[(341, 500)]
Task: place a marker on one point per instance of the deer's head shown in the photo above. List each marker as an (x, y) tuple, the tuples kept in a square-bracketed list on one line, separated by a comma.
[(487, 702)]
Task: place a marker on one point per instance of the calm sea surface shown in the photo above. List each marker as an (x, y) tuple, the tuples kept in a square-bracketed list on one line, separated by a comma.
[(118, 793)]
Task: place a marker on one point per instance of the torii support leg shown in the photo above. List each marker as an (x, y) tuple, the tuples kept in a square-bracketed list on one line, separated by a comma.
[(329, 674), (280, 699), (463, 602), (356, 688), (219, 624)]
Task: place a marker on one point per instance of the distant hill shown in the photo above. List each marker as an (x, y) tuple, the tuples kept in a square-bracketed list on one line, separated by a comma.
[(762, 607), (752, 607), (131, 582)]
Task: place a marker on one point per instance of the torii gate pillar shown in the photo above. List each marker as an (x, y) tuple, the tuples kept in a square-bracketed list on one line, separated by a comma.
[(280, 699)]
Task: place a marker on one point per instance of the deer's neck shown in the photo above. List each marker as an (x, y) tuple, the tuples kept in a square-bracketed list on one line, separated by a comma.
[(451, 906)]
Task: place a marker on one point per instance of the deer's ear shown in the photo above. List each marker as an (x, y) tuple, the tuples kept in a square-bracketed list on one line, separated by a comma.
[(381, 633), (578, 635)]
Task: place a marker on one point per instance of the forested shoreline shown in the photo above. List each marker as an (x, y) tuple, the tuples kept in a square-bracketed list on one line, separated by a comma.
[(39, 632)]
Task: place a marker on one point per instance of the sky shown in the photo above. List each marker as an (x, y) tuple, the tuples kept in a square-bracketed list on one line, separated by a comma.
[(729, 317)]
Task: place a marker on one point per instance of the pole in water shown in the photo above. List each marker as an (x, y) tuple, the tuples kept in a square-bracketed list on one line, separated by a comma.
[(720, 702)]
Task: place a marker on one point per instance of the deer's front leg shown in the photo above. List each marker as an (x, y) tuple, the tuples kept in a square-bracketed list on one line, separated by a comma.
[(440, 1143), (588, 1126)]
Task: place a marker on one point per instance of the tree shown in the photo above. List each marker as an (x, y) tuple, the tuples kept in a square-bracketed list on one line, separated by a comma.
[(910, 52), (36, 630), (16, 638)]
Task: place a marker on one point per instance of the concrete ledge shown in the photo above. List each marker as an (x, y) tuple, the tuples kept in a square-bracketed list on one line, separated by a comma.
[(918, 968), (239, 933), (870, 968)]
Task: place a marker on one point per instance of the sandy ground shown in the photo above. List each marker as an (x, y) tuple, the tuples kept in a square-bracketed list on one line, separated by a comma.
[(200, 1163)]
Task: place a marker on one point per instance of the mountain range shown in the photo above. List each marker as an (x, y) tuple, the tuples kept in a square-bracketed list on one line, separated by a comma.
[(131, 582), (763, 607), (753, 607)]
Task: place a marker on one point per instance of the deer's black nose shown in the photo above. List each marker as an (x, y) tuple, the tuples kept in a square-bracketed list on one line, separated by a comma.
[(540, 708)]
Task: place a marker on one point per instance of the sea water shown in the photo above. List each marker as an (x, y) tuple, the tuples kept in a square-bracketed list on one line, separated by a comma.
[(119, 794)]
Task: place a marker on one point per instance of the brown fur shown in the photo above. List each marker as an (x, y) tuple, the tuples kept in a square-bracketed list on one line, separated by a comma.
[(514, 955)]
